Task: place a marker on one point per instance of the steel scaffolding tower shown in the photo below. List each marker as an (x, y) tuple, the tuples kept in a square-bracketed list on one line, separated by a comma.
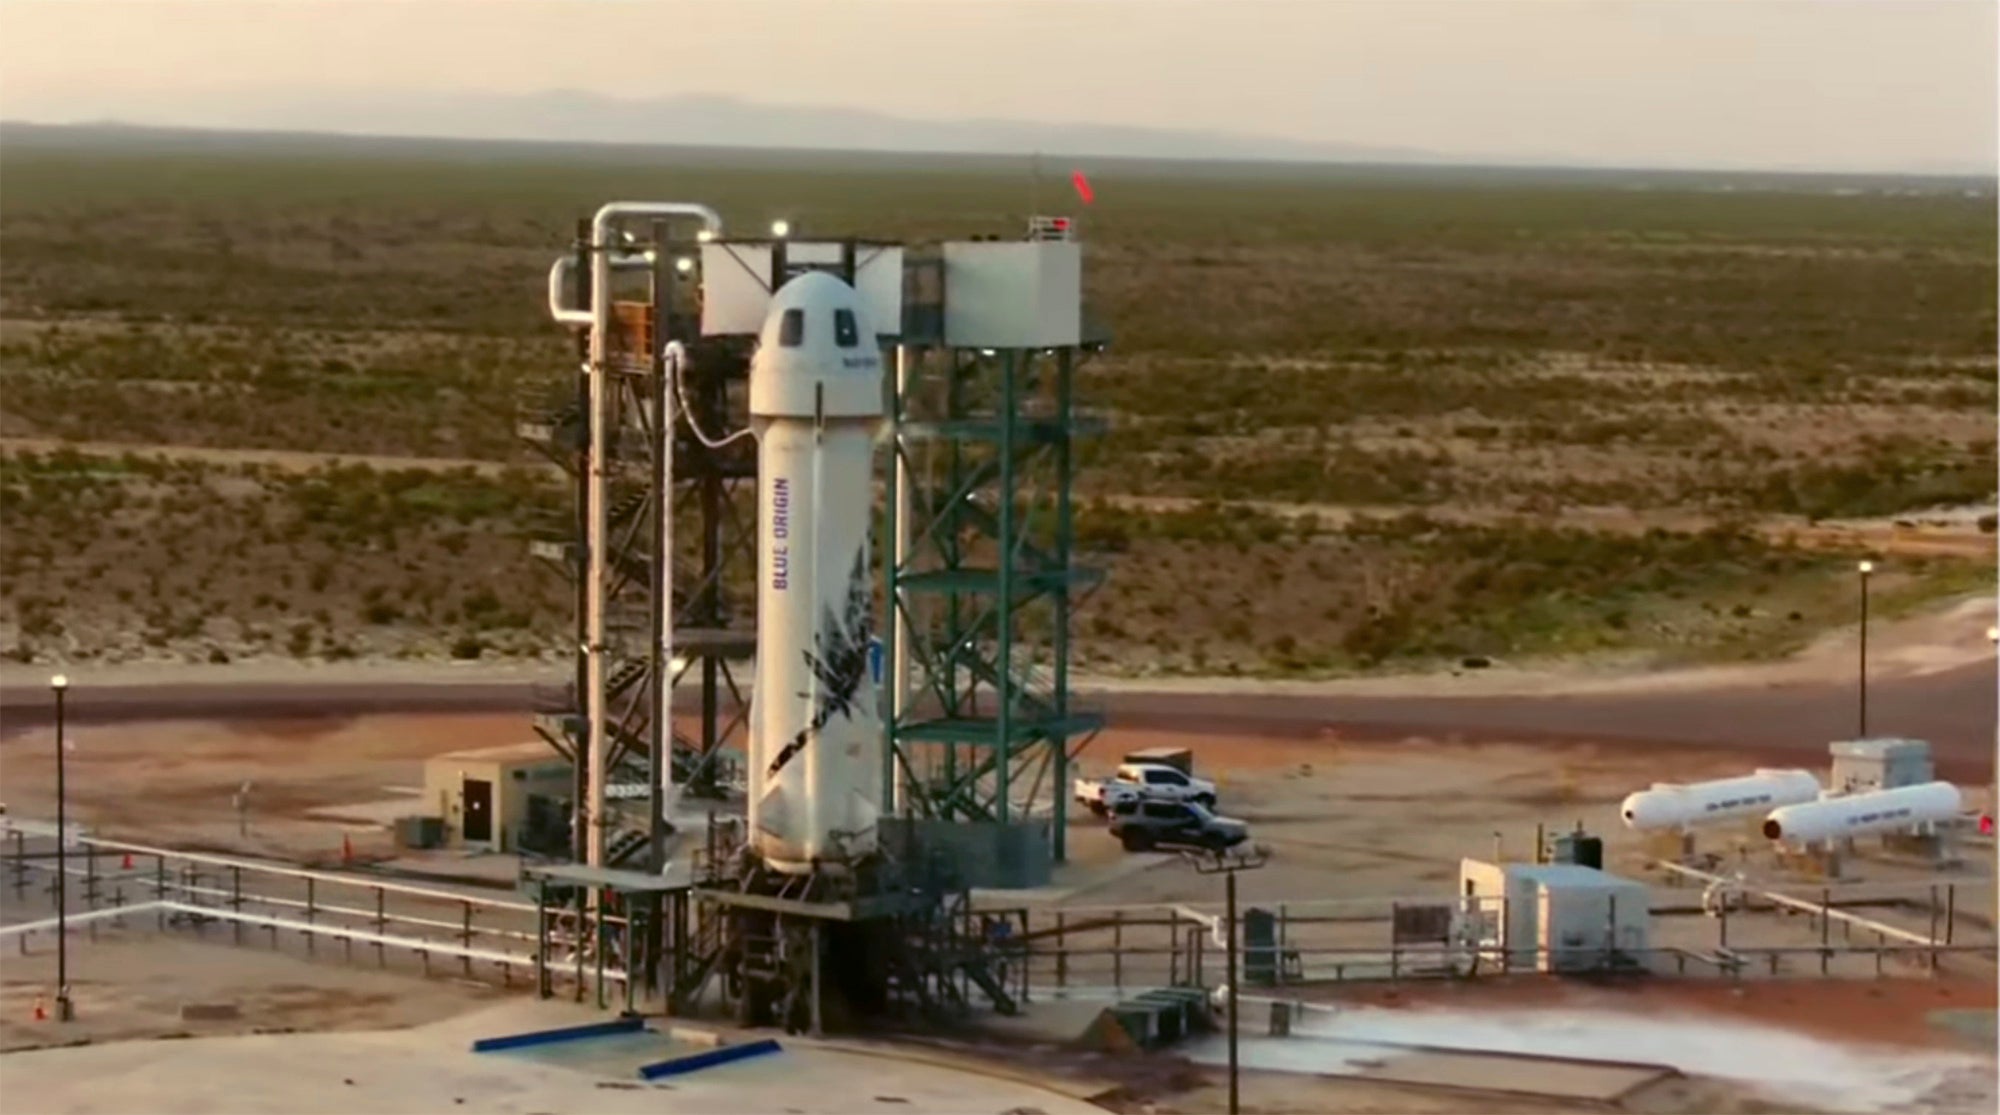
[(982, 721), (651, 485)]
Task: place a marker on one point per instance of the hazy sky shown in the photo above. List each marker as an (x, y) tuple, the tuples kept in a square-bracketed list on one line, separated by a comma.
[(1839, 84)]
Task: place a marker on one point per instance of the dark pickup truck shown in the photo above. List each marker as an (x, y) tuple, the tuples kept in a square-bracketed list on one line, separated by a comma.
[(1143, 825)]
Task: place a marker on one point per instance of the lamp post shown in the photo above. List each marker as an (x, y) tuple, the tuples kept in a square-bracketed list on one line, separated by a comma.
[(1993, 798), (1861, 731), (1227, 867), (64, 1012)]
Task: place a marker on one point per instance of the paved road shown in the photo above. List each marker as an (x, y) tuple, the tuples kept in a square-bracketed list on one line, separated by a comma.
[(1954, 709)]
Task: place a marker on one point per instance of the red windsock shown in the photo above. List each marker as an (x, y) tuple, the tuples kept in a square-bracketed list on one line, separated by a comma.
[(1082, 185), (126, 863)]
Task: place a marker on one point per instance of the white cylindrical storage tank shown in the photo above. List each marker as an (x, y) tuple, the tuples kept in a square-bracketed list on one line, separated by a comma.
[(815, 734), (1860, 814), (1668, 806)]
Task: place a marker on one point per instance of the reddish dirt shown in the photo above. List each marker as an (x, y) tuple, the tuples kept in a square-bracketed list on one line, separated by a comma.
[(1881, 1011), (176, 779)]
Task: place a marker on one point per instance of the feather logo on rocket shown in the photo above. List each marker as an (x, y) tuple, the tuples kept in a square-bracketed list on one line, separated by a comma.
[(839, 663)]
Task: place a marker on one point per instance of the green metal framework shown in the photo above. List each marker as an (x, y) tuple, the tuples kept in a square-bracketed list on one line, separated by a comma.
[(983, 587)]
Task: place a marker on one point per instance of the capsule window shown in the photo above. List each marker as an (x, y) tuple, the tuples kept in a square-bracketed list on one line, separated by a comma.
[(844, 332), (792, 329)]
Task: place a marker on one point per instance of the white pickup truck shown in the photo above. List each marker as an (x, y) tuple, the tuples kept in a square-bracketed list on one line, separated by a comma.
[(1143, 782)]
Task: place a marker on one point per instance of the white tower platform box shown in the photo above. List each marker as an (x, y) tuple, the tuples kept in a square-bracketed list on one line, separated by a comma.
[(1019, 294), (736, 282)]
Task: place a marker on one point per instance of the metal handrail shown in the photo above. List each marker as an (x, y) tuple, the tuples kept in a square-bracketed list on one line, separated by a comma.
[(315, 875)]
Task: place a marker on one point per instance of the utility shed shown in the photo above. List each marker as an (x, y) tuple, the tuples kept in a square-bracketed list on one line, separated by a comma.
[(1552, 917), (1860, 765), (483, 794)]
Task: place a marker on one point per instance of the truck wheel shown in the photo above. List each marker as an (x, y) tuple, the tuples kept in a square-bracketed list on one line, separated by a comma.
[(1097, 809), (1136, 841)]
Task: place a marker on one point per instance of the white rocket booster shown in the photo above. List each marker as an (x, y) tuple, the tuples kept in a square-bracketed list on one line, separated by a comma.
[(815, 734)]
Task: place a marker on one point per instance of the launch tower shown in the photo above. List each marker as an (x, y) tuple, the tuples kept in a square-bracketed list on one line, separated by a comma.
[(730, 403)]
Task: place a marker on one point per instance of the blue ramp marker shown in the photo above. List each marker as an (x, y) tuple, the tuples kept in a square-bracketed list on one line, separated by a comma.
[(567, 1033), (707, 1058)]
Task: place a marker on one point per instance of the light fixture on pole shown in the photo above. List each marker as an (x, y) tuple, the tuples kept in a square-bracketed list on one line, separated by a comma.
[(780, 229), (1986, 823), (64, 1011), (1218, 863), (241, 800), (1993, 797), (1861, 729)]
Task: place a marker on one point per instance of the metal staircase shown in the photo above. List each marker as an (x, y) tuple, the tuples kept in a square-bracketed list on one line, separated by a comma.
[(623, 845)]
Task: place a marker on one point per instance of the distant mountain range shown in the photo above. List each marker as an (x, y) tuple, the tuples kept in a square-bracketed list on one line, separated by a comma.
[(716, 121), (571, 117)]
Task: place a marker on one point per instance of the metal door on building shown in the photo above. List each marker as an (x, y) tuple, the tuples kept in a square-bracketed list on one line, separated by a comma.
[(478, 809)]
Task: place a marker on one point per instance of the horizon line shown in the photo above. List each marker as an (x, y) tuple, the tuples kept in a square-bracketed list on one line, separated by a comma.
[(1989, 177)]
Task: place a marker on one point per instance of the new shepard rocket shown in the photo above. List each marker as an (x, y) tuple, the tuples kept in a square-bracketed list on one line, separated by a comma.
[(815, 732)]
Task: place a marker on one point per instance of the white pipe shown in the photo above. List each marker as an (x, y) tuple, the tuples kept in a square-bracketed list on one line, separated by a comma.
[(1801, 904), (1213, 921), (558, 279), (559, 282), (678, 356), (615, 211), (672, 358), (602, 229), (594, 565), (899, 667)]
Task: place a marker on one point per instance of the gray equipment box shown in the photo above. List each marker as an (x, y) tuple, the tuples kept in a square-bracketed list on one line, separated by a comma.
[(1860, 765)]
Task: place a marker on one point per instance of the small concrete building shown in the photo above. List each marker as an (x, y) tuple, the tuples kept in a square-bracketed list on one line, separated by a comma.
[(484, 794), (1553, 917)]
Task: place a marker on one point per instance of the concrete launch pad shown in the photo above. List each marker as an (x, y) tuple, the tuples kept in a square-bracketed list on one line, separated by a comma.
[(431, 1069)]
